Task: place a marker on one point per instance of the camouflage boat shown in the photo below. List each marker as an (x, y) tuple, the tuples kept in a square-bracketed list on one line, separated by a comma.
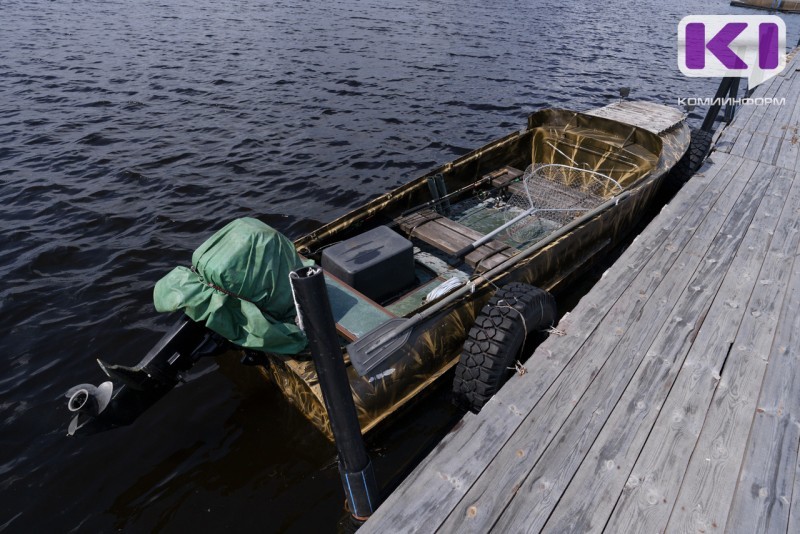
[(784, 6), (452, 269)]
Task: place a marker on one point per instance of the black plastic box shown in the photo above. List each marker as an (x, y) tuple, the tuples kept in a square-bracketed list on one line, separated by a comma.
[(377, 263)]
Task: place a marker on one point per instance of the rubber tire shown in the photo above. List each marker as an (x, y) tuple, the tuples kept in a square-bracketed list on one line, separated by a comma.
[(496, 339), (691, 161)]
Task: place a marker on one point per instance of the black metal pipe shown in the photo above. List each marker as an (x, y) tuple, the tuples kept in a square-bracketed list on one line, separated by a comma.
[(713, 111), (355, 467), (730, 109), (444, 201)]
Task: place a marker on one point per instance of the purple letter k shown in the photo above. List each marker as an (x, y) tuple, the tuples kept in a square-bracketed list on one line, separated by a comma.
[(719, 45)]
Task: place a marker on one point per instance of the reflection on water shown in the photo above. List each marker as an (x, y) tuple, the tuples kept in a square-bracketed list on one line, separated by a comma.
[(130, 131)]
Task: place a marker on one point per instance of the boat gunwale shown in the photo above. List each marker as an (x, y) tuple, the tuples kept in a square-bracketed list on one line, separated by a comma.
[(534, 120)]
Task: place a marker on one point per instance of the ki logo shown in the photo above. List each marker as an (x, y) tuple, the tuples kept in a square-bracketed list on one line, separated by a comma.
[(732, 46)]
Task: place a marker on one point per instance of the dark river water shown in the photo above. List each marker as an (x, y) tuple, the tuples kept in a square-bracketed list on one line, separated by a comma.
[(129, 131)]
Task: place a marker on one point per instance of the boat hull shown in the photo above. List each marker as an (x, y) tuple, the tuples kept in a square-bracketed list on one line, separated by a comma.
[(435, 344)]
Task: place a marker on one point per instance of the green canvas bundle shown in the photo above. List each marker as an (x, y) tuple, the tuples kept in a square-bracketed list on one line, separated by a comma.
[(239, 287)]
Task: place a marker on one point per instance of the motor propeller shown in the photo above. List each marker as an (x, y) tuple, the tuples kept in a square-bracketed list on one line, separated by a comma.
[(87, 402)]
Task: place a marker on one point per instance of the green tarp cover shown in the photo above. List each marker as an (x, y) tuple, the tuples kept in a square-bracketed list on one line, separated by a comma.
[(239, 287)]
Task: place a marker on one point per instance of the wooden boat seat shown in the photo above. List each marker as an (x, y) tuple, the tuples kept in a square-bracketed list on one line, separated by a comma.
[(450, 237)]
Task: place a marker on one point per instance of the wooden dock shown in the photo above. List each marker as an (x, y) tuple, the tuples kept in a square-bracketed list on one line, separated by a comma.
[(672, 400)]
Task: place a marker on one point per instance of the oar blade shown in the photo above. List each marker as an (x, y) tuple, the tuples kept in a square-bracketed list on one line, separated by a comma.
[(379, 349)]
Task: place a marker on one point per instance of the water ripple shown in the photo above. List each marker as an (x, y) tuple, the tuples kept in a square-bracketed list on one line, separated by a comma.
[(130, 131)]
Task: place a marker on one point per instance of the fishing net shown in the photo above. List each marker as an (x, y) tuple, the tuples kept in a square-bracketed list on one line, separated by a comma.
[(482, 212), (550, 196)]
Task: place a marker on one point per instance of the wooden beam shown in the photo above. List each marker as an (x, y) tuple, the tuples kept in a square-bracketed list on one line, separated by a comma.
[(450, 237)]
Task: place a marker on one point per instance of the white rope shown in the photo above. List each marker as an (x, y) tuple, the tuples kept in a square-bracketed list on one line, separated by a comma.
[(503, 303), (445, 288)]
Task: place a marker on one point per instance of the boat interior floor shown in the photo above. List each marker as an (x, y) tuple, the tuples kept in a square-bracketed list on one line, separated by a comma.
[(451, 228), (440, 231)]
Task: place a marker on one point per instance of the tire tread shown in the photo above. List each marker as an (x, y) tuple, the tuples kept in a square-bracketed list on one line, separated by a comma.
[(495, 340)]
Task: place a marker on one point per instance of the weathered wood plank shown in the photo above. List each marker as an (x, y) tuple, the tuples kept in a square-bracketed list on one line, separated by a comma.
[(440, 236), (735, 138), (450, 237), (503, 176), (771, 88), (789, 149), (755, 146), (741, 144), (770, 149), (764, 490), (651, 117), (773, 122), (710, 480), (725, 141), (749, 117), (648, 498), (593, 491), (794, 509), (442, 478), (675, 299), (766, 125), (786, 114), (789, 124), (599, 367)]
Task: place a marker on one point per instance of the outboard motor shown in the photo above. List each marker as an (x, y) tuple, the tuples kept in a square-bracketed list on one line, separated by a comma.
[(132, 390), (235, 294)]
